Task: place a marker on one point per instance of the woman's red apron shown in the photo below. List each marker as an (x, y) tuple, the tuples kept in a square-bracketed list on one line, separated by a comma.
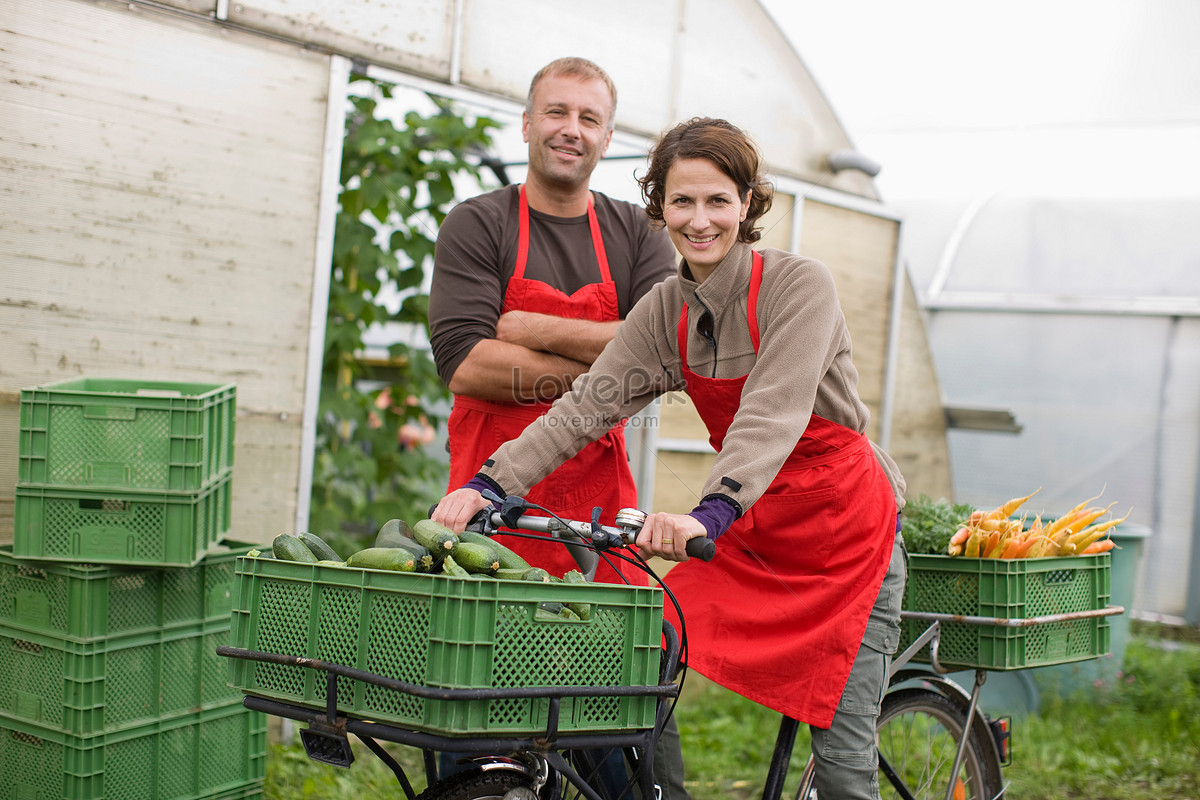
[(779, 614), (599, 475)]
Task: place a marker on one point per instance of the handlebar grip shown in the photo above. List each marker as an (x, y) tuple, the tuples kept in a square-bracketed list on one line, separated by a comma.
[(702, 548)]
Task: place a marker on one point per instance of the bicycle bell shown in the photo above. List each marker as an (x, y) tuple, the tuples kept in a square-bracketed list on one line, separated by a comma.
[(631, 520)]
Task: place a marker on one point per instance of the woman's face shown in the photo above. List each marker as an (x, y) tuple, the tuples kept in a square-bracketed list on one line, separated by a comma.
[(702, 211)]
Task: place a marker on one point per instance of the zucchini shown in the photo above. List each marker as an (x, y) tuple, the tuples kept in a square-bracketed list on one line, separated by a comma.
[(396, 559), (434, 535), (475, 557), (287, 547), (450, 567), (317, 545), (392, 533), (508, 558)]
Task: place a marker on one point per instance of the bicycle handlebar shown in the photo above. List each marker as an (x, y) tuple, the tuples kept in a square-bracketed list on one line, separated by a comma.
[(602, 537), (599, 536)]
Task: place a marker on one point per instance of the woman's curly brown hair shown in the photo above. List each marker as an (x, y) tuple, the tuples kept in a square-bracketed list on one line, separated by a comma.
[(728, 148)]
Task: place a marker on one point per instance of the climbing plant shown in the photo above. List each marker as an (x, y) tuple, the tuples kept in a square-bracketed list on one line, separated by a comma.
[(375, 459)]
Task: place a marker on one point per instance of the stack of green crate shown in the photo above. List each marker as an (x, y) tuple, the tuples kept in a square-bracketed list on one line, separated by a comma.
[(116, 594)]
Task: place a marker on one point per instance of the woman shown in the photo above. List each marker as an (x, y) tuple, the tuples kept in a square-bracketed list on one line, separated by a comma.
[(794, 612)]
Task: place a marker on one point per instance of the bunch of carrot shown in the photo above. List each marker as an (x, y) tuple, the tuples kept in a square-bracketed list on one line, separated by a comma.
[(995, 534)]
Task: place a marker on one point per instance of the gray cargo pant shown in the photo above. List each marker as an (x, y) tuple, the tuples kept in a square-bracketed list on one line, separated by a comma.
[(846, 761)]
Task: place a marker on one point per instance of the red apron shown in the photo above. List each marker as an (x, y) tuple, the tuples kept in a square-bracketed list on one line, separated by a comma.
[(779, 614), (599, 475)]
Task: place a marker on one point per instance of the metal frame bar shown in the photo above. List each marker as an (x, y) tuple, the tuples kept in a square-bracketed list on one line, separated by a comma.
[(335, 134)]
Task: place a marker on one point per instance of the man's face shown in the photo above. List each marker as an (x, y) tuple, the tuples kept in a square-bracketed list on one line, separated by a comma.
[(567, 130)]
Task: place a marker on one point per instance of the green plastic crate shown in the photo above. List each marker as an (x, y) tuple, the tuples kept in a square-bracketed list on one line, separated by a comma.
[(1010, 589), (134, 435), (110, 685), (446, 632), (131, 528), (84, 602), (211, 754)]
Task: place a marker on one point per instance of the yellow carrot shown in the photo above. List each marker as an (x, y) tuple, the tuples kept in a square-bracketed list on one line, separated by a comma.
[(1088, 535), (1087, 517), (1067, 518), (974, 542), (1009, 508)]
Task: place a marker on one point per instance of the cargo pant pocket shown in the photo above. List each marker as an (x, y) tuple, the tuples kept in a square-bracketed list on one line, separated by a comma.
[(845, 755)]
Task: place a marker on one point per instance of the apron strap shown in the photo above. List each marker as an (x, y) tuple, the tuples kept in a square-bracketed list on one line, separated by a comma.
[(523, 238)]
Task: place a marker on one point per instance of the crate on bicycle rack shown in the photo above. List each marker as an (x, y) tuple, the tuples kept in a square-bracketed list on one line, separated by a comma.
[(133, 435), (440, 631), (1010, 589), (149, 529), (85, 602), (211, 754)]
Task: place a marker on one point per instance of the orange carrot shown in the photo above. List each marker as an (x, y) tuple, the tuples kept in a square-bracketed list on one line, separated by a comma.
[(1100, 546), (1014, 544), (960, 535), (1027, 546)]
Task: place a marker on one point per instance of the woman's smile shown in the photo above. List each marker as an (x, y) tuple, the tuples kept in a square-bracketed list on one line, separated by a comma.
[(702, 212)]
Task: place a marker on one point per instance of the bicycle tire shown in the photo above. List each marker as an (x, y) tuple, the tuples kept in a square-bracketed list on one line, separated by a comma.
[(476, 784), (918, 734)]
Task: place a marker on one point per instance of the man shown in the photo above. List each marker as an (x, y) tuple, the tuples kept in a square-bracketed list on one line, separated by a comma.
[(529, 285)]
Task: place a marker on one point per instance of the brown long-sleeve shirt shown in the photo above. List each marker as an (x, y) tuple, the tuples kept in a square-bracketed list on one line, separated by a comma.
[(803, 367), (477, 251)]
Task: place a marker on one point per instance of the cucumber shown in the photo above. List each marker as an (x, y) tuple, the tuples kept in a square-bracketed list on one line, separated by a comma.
[(536, 574), (508, 559), (332, 563), (474, 557), (450, 567), (393, 532), (287, 547), (581, 610), (434, 535), (317, 545), (418, 550), (510, 574), (396, 559)]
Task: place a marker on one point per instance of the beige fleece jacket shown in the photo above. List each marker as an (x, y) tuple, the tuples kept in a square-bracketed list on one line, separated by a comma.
[(803, 367)]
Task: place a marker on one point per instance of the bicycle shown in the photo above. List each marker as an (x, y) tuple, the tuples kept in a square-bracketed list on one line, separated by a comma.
[(930, 728)]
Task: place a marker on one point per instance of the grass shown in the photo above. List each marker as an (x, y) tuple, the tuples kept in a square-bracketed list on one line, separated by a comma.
[(1136, 737)]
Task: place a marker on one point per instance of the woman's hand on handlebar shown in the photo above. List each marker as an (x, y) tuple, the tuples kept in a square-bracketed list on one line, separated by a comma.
[(458, 508), (666, 535)]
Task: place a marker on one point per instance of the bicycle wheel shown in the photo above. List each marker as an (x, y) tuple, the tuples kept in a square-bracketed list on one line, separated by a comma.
[(917, 735), (478, 784)]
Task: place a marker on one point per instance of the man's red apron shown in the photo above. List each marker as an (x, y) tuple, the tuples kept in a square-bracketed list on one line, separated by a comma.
[(779, 614), (599, 475)]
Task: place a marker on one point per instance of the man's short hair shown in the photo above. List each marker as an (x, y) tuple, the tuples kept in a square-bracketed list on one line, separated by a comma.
[(575, 67)]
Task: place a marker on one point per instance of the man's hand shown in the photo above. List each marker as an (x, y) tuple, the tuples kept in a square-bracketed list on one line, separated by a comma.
[(458, 508), (666, 535), (577, 339)]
